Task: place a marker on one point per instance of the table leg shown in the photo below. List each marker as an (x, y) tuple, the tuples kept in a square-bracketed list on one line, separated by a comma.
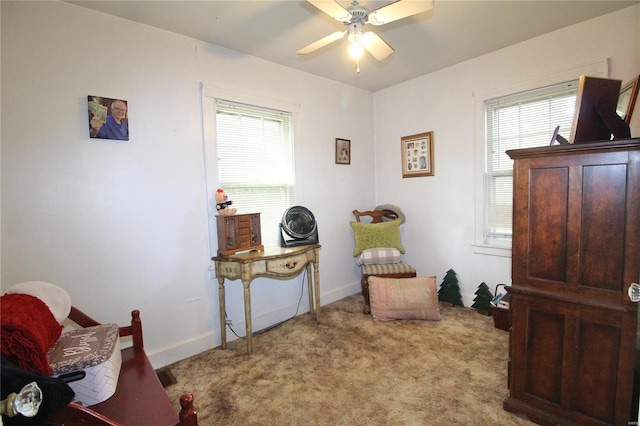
[(310, 290), (247, 315), (316, 281), (223, 320)]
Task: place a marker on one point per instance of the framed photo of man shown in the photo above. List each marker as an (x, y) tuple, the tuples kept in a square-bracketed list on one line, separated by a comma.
[(108, 118), (417, 155), (343, 151)]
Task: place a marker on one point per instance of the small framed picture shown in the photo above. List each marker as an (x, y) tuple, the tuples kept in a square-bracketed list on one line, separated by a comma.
[(417, 155), (343, 151), (108, 118)]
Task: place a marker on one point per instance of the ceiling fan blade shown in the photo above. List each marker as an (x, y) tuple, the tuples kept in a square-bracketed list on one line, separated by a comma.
[(333, 9), (321, 43), (376, 45), (398, 10)]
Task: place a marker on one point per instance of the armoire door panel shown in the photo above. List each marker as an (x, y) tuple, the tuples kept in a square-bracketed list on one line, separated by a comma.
[(544, 354), (547, 227), (596, 363), (603, 226)]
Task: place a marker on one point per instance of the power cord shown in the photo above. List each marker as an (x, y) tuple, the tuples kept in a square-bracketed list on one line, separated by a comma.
[(264, 330)]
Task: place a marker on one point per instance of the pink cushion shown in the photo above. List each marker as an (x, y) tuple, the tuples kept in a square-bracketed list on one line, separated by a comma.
[(404, 298)]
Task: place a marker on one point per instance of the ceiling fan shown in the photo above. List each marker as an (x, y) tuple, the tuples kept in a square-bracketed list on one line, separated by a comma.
[(355, 17)]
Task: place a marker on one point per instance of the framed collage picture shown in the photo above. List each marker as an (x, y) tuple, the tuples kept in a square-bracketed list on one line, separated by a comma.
[(417, 155)]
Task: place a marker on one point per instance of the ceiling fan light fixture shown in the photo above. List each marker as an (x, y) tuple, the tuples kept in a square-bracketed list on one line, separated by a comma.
[(356, 50)]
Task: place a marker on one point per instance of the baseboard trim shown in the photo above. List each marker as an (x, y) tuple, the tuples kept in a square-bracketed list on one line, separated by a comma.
[(212, 339)]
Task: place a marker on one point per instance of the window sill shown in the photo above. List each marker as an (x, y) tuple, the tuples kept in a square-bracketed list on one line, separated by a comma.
[(492, 250)]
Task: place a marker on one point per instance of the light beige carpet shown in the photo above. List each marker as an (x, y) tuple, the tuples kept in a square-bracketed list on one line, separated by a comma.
[(352, 370)]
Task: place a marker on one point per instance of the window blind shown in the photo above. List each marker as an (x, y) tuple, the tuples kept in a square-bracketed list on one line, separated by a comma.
[(522, 120), (255, 162)]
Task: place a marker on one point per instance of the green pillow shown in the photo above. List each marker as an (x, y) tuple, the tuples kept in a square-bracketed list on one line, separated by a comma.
[(376, 235)]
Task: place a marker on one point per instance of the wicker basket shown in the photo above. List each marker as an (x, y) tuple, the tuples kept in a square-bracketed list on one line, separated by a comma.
[(501, 317)]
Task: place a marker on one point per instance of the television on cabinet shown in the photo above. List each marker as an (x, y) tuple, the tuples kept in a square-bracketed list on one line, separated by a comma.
[(595, 118)]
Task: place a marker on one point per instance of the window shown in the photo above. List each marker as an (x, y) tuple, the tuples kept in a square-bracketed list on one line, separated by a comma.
[(255, 162), (522, 120)]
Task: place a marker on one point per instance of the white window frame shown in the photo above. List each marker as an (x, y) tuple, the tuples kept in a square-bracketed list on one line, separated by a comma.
[(209, 96), (482, 244), (521, 120)]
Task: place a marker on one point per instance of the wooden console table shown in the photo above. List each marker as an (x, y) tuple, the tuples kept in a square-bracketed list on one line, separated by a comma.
[(274, 262)]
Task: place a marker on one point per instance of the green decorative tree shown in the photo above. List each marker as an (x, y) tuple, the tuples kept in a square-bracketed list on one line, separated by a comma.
[(450, 290), (482, 301)]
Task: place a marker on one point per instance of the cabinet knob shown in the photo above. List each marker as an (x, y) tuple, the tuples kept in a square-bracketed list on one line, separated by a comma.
[(634, 292)]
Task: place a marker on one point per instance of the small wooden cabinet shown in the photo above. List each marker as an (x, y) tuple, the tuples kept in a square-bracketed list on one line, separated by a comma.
[(239, 232), (576, 251)]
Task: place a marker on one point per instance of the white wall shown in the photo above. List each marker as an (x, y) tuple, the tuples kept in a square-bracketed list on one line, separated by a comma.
[(441, 214), (123, 225)]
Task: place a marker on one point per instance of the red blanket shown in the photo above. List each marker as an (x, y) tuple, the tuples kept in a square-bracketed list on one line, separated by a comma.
[(28, 330)]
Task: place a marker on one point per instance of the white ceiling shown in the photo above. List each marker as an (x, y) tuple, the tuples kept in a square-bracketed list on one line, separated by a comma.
[(452, 32)]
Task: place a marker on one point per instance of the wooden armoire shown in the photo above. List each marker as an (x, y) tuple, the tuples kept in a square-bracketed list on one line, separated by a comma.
[(576, 251)]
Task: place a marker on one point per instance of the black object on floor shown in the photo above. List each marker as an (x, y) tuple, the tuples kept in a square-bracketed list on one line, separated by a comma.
[(166, 377)]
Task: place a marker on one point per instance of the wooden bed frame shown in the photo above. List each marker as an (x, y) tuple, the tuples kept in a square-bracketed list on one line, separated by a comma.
[(139, 399)]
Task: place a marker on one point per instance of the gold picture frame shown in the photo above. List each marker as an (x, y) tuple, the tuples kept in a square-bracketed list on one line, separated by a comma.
[(343, 151), (627, 99), (417, 155)]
